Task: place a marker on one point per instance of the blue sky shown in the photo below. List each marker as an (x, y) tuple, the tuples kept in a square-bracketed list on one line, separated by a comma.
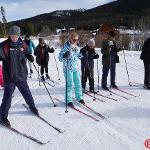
[(20, 9)]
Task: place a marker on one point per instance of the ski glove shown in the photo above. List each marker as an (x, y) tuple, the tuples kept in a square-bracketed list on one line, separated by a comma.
[(66, 55), (96, 56), (30, 58), (111, 44), (51, 50), (2, 59)]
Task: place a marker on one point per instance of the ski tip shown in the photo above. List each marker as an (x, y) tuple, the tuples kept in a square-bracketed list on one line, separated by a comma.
[(43, 143), (104, 118), (97, 120), (137, 95), (61, 131)]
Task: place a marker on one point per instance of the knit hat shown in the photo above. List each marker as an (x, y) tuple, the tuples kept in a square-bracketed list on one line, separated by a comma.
[(112, 33), (14, 30), (106, 27), (27, 36), (41, 40), (91, 43)]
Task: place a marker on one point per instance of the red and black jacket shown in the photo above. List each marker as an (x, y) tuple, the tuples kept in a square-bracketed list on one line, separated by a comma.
[(13, 55), (42, 53)]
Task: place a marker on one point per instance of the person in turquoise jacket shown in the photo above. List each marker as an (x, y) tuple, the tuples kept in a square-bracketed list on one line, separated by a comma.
[(70, 55), (31, 46)]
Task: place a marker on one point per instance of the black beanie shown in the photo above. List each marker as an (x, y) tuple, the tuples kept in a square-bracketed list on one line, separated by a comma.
[(112, 33)]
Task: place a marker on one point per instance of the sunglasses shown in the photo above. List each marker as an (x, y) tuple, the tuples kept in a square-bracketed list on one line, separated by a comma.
[(75, 40), (91, 47)]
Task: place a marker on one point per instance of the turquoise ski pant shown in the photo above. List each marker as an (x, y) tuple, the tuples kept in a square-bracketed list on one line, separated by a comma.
[(73, 78)]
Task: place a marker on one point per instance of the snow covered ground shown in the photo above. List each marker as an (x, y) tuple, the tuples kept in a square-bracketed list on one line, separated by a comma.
[(127, 126)]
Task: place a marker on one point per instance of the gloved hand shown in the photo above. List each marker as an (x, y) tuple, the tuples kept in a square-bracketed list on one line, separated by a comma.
[(110, 43), (67, 54), (2, 59), (96, 56), (30, 58), (51, 50)]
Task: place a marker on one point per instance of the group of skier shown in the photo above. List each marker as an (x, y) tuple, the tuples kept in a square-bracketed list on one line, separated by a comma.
[(15, 52), (70, 55)]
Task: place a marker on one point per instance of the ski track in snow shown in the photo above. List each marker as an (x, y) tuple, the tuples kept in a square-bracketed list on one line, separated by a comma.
[(127, 126)]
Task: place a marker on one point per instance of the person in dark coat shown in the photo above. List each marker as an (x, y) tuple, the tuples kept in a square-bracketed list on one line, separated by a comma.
[(42, 57), (87, 64), (13, 54), (145, 56), (109, 59)]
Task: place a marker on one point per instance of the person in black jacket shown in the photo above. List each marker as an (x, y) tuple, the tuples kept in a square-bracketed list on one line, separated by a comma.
[(109, 59), (13, 54), (42, 57), (87, 64), (145, 56)]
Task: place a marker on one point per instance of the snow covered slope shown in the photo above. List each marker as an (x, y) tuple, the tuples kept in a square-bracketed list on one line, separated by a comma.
[(126, 128)]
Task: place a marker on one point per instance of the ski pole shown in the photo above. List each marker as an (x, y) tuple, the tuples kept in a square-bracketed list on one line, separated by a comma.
[(66, 111), (98, 74), (110, 66), (39, 74), (29, 63), (56, 66), (45, 87), (39, 69), (110, 75), (126, 68)]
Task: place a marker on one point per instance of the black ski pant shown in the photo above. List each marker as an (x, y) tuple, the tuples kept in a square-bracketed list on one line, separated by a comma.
[(9, 88), (88, 74), (105, 71), (44, 66), (147, 72)]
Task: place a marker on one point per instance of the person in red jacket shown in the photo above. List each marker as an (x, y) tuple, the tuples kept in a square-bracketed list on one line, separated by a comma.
[(13, 54), (1, 77), (42, 57)]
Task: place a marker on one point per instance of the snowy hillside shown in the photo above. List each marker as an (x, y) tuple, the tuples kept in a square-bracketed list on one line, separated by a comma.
[(126, 128)]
